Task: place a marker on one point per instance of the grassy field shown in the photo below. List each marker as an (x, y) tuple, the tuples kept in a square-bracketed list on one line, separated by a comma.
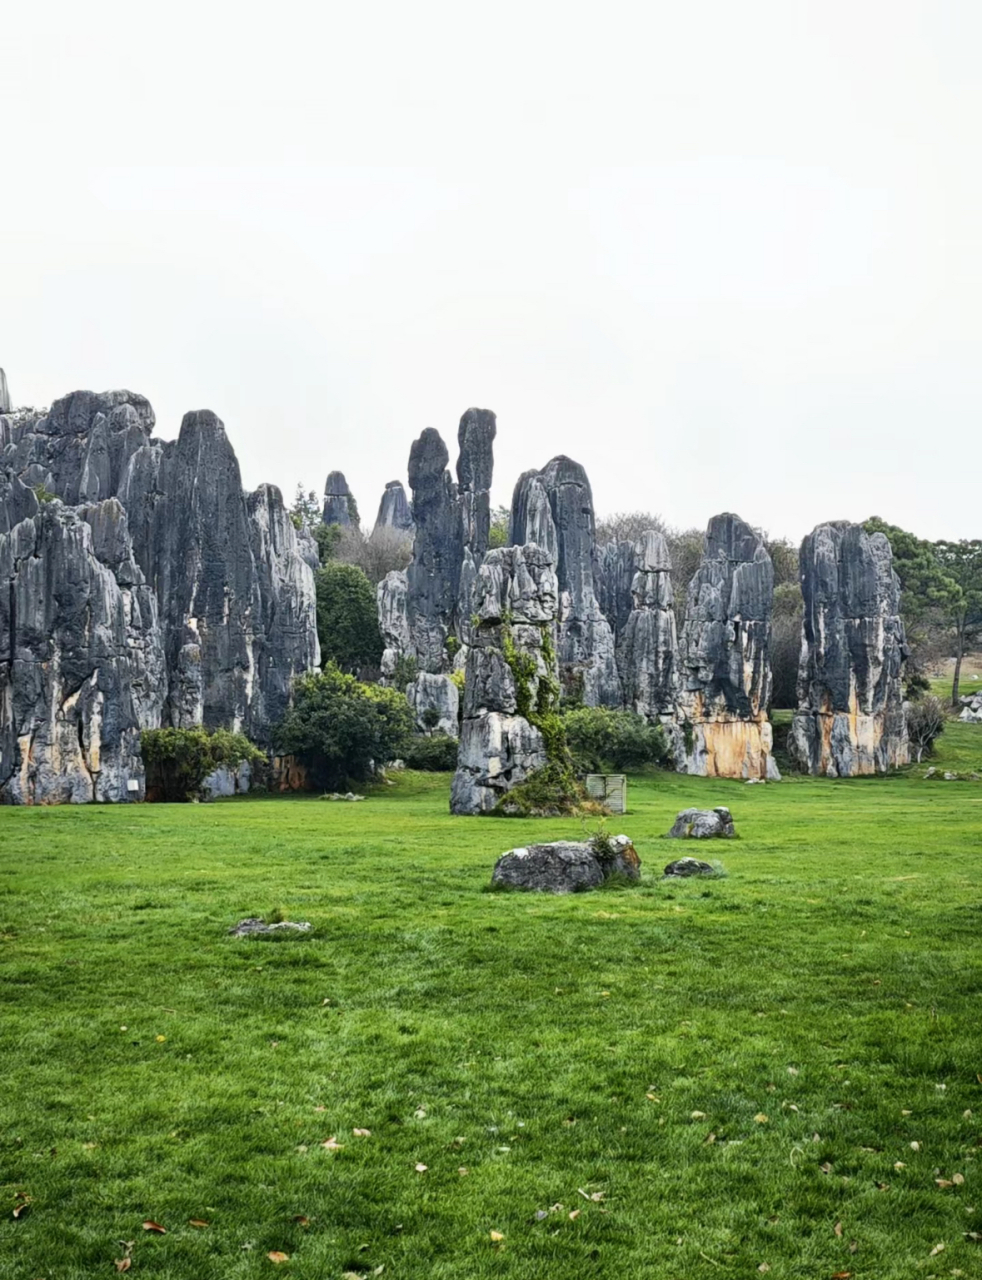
[(776, 1072)]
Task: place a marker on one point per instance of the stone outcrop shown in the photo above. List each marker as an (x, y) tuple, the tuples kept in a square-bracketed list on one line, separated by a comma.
[(647, 647), (391, 595), (703, 824), (554, 509), (81, 652), (4, 393), (724, 673), (435, 703), (512, 652), (850, 717), (394, 511), (615, 579), (233, 587), (565, 866), (339, 502), (452, 530), (683, 867)]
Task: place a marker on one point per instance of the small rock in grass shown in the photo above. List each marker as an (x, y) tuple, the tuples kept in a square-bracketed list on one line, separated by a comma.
[(703, 824), (689, 867), (254, 927)]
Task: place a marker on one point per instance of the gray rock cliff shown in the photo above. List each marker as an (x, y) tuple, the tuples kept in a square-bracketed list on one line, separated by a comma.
[(724, 673), (647, 646), (850, 717), (233, 587), (81, 652), (515, 601), (554, 508)]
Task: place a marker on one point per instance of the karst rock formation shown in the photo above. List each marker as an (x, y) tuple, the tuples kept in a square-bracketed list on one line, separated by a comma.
[(850, 717), (339, 502), (724, 673), (216, 594), (512, 649), (394, 511), (553, 508)]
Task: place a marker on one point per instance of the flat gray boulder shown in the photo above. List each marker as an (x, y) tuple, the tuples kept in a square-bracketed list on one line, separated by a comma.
[(689, 867), (565, 866), (703, 824), (254, 927)]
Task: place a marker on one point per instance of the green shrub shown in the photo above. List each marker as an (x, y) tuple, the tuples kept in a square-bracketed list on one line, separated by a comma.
[(340, 727), (435, 754), (549, 792), (603, 741), (347, 617), (177, 761)]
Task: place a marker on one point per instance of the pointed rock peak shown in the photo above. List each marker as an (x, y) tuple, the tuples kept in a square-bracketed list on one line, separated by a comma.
[(428, 457), (335, 486), (475, 436), (4, 393)]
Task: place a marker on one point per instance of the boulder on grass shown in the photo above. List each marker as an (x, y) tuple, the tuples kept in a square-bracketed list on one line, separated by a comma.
[(565, 866), (703, 824), (689, 867), (255, 927)]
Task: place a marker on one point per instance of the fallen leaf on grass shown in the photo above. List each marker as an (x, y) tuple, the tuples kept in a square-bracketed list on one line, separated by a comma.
[(122, 1264), (898, 1165), (841, 1275), (938, 1248), (150, 1225), (332, 1144), (760, 1118), (853, 1246), (958, 1179), (838, 1229), (301, 1220), (698, 1115), (463, 1171), (826, 1167), (421, 1168), (275, 1255), (915, 1146), (23, 1203), (573, 1214), (362, 1133), (763, 1268), (709, 1139), (496, 1237), (197, 1222), (943, 1183)]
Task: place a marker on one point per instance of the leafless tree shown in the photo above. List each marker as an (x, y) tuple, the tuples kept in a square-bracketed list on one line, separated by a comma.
[(926, 720), (384, 550)]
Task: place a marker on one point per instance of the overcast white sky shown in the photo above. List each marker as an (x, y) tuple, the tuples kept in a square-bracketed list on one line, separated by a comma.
[(727, 255)]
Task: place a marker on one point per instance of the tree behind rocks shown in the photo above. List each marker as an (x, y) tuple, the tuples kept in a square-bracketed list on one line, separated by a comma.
[(347, 618)]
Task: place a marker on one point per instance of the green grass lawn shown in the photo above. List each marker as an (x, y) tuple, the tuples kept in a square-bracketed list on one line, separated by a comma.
[(771, 1070)]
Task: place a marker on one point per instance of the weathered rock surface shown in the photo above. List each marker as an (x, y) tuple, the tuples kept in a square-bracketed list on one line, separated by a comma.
[(724, 671), (435, 703), (4, 393), (554, 507), (850, 717), (515, 598), (391, 595), (255, 927), (564, 867), (689, 867), (339, 502), (82, 668), (615, 579), (234, 589), (393, 510), (452, 530), (971, 708), (646, 655), (703, 824)]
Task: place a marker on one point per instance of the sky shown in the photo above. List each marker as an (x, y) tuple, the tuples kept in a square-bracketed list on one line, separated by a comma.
[(727, 256)]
